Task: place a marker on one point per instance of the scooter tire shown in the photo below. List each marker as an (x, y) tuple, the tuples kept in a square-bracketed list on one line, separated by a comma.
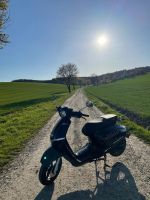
[(46, 175), (119, 149)]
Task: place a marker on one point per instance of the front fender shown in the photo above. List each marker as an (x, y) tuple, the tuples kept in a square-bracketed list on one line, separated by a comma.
[(49, 155)]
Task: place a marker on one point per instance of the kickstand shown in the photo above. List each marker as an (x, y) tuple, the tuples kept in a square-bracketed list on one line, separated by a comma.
[(105, 166), (97, 172)]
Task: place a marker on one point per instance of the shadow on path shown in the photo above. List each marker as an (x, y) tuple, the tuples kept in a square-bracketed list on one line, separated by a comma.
[(118, 184), (46, 193)]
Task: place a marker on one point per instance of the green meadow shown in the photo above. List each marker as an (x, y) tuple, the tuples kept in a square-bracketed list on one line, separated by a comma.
[(24, 109), (15, 96), (132, 94)]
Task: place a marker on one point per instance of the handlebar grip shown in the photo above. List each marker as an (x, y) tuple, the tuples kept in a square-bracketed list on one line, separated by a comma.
[(85, 115), (76, 114)]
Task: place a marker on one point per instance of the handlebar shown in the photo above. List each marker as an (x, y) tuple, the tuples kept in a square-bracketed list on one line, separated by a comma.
[(68, 112), (78, 114)]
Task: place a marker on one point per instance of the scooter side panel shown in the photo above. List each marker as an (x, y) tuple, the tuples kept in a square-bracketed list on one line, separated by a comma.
[(49, 155)]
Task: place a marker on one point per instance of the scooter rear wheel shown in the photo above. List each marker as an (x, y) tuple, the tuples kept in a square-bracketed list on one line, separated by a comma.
[(119, 149), (48, 174)]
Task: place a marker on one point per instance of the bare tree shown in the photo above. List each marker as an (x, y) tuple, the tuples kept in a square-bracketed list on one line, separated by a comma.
[(3, 20), (68, 73)]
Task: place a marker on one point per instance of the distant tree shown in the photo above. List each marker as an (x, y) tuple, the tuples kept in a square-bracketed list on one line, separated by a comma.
[(3, 20), (94, 79), (81, 81), (68, 73)]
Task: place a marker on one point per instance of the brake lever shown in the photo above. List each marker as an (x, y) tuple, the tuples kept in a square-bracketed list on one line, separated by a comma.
[(84, 118)]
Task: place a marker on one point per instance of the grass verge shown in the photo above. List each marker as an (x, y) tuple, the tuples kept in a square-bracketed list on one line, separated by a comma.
[(18, 127)]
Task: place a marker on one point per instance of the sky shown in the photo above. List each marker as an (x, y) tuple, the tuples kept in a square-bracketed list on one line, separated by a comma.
[(46, 34)]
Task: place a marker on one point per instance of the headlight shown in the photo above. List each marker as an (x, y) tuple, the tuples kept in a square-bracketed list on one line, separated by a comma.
[(62, 113)]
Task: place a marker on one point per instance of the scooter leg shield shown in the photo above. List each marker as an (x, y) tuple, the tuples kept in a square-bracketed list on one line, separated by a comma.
[(49, 155)]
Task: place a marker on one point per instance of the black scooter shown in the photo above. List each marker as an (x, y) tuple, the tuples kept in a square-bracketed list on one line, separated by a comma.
[(104, 135)]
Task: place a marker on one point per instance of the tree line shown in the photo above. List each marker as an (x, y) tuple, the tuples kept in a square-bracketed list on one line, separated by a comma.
[(68, 74)]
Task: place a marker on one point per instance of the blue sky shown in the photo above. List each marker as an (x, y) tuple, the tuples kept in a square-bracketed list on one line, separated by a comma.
[(45, 34)]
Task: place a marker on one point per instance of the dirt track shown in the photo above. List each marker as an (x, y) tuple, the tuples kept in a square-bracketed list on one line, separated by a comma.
[(128, 177)]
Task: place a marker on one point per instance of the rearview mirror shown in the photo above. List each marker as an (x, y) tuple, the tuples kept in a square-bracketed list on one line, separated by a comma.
[(89, 104)]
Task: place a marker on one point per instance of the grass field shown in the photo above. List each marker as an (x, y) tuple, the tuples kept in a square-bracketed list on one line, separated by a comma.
[(135, 129), (14, 96), (131, 94), (25, 108)]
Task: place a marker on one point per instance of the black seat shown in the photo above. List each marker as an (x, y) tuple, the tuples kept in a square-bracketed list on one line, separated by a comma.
[(98, 125)]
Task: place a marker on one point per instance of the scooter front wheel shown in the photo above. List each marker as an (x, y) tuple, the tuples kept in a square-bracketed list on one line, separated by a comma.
[(48, 174)]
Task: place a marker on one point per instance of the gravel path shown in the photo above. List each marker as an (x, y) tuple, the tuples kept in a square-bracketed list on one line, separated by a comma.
[(127, 178)]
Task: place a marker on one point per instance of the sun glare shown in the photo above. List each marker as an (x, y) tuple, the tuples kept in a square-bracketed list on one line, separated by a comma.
[(103, 40)]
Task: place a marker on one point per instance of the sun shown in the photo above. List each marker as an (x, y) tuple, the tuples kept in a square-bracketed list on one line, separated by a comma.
[(103, 40)]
